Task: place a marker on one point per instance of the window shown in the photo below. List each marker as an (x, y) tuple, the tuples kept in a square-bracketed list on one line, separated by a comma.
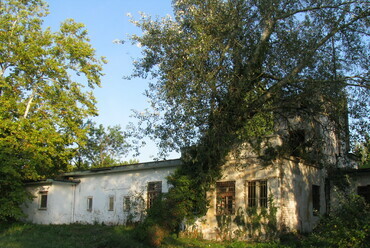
[(252, 196), (296, 141), (126, 204), (154, 190), (43, 200), (89, 203), (364, 191), (111, 203), (225, 192), (257, 194), (263, 193), (316, 199)]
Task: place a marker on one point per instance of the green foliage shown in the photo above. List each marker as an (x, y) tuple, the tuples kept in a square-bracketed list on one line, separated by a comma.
[(363, 150), (225, 71), (163, 217), (42, 106), (66, 236), (346, 226), (257, 223), (103, 147), (94, 236)]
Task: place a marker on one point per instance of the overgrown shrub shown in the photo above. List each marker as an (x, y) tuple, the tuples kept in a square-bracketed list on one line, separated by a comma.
[(348, 225), (156, 235)]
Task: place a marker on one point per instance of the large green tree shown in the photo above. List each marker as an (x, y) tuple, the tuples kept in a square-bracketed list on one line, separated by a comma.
[(46, 80), (222, 71), (103, 147)]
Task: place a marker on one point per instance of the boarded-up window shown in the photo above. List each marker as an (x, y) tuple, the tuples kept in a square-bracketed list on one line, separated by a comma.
[(364, 191), (316, 199), (257, 194), (43, 200), (225, 198), (89, 203), (111, 203), (154, 190)]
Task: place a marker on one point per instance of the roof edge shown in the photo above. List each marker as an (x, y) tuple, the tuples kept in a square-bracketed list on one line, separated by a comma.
[(125, 168)]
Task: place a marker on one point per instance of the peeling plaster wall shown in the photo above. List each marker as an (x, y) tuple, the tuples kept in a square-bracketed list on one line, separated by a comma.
[(296, 209), (289, 183), (240, 173), (118, 186), (59, 204), (67, 203)]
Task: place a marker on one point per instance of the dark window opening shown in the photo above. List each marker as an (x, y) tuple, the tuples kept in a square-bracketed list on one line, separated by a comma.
[(316, 199), (297, 140), (364, 191), (43, 200), (225, 192), (154, 190)]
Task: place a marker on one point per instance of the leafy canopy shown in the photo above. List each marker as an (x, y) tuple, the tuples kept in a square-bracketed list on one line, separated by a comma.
[(46, 80), (103, 147), (218, 61), (223, 71)]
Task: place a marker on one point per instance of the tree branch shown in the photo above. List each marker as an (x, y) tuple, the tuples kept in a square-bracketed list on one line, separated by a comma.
[(315, 8), (29, 103), (268, 95)]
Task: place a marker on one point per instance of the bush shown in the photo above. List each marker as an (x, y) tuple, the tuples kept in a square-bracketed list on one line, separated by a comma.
[(346, 226), (156, 235)]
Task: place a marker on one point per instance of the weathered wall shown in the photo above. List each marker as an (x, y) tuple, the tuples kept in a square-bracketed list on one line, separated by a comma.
[(296, 209), (67, 203), (118, 185), (59, 203), (289, 185), (349, 181)]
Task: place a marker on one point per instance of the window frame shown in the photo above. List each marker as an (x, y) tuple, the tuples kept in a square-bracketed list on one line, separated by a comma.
[(90, 202), (252, 194), (154, 190), (364, 191), (263, 194), (126, 204), (257, 193), (43, 200), (111, 200), (316, 199), (225, 198)]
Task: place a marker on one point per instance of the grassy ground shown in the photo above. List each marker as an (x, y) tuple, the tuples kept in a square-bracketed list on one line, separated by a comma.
[(93, 236)]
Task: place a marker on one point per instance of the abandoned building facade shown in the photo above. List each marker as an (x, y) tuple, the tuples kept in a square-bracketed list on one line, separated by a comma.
[(282, 192)]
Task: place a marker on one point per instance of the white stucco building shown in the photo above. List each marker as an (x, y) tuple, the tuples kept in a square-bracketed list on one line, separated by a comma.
[(252, 198), (113, 195)]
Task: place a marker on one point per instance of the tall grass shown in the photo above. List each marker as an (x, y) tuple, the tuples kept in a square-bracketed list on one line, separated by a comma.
[(65, 236), (21, 235)]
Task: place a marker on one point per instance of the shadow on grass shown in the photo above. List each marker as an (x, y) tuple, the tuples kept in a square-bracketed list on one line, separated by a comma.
[(20, 235)]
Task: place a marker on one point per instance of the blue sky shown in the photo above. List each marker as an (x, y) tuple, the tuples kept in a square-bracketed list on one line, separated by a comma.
[(107, 20)]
